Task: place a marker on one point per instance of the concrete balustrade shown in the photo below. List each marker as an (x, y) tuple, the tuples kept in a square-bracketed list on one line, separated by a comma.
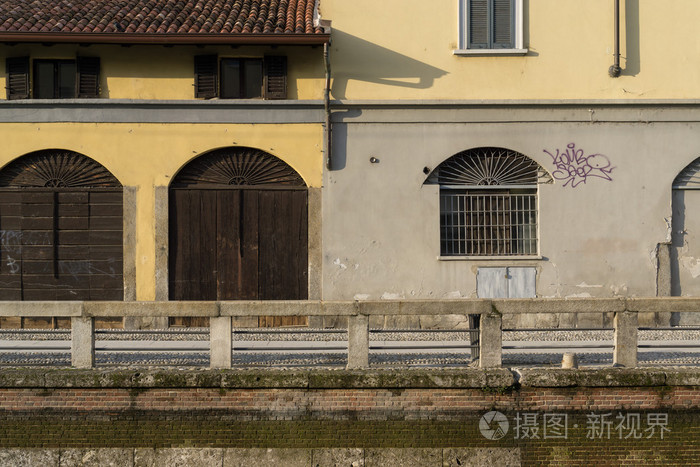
[(490, 340), (82, 342), (82, 316), (625, 339), (220, 342), (358, 342)]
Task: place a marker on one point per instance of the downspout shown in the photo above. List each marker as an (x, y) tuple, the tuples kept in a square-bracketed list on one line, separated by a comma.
[(327, 104), (615, 70)]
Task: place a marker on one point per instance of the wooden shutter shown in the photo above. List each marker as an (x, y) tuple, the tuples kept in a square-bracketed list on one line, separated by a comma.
[(275, 82), (18, 78), (88, 81), (206, 76), (502, 35), (478, 15)]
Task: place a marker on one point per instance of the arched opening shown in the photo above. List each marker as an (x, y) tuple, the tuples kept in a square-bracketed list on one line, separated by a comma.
[(61, 229), (488, 203), (685, 236), (238, 229)]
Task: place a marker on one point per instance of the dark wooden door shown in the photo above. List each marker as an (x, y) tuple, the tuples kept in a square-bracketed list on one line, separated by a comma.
[(61, 244), (239, 244), (238, 230), (60, 231)]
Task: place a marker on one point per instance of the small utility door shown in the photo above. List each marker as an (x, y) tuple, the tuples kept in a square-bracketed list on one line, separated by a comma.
[(238, 244), (507, 282)]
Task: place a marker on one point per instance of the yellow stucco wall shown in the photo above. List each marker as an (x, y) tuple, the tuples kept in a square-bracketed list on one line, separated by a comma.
[(158, 72), (149, 155), (403, 49)]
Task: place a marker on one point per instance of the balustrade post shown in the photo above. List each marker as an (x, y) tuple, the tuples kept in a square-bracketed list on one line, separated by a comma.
[(82, 342), (358, 341), (626, 331), (490, 340), (220, 342)]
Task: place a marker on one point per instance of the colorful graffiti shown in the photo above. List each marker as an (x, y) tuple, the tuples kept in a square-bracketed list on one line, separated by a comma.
[(575, 167)]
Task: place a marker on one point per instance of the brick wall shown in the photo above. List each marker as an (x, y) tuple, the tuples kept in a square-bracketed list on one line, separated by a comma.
[(435, 412), (342, 404)]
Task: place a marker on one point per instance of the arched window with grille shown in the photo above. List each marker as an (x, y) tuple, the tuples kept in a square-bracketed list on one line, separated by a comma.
[(488, 203)]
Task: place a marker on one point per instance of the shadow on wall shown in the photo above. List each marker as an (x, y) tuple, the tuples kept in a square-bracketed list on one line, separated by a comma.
[(677, 238), (366, 61), (632, 61)]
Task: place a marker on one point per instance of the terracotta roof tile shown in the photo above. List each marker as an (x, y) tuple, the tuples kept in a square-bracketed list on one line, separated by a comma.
[(159, 17)]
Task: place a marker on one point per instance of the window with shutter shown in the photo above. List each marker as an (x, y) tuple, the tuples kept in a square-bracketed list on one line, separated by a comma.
[(241, 78), (17, 78), (53, 79), (478, 24), (275, 77), (491, 25), (88, 77), (502, 20), (206, 74)]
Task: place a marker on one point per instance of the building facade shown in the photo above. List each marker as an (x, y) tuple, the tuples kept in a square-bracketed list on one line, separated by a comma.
[(475, 148), (485, 148), (205, 118)]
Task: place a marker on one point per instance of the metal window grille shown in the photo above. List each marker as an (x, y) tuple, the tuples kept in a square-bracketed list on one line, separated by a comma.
[(488, 222)]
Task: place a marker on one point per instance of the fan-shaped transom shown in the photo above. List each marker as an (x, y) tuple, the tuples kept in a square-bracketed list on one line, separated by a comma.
[(56, 168), (689, 178), (237, 167), (482, 167)]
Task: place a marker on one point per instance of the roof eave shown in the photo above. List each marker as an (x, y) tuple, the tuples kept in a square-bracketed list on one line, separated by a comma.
[(164, 39)]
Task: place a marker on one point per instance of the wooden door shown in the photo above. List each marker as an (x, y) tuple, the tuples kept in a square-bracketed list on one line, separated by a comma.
[(238, 244), (60, 231), (282, 240), (238, 231), (60, 244)]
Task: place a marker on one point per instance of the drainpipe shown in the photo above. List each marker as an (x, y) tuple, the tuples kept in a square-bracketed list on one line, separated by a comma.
[(615, 70), (327, 102)]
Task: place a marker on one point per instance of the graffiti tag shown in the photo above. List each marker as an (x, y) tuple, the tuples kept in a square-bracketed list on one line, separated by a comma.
[(575, 167), (12, 241)]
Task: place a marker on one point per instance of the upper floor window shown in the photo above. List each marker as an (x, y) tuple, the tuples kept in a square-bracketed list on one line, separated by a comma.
[(240, 78), (488, 203), (491, 26), (53, 79)]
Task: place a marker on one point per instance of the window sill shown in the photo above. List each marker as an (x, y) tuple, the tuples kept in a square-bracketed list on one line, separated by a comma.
[(489, 258), (487, 52)]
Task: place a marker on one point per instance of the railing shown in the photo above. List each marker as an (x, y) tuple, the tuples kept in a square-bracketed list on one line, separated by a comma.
[(491, 313)]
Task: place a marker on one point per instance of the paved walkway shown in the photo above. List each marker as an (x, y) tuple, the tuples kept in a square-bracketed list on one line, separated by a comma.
[(323, 348)]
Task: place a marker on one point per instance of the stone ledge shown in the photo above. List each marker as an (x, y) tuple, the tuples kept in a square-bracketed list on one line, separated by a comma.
[(144, 378), (254, 379), (609, 377)]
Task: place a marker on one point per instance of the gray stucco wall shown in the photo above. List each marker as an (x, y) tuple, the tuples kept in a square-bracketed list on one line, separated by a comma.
[(599, 238)]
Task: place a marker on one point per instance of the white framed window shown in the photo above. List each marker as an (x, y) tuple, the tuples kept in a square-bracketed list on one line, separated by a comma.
[(488, 203), (490, 27)]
